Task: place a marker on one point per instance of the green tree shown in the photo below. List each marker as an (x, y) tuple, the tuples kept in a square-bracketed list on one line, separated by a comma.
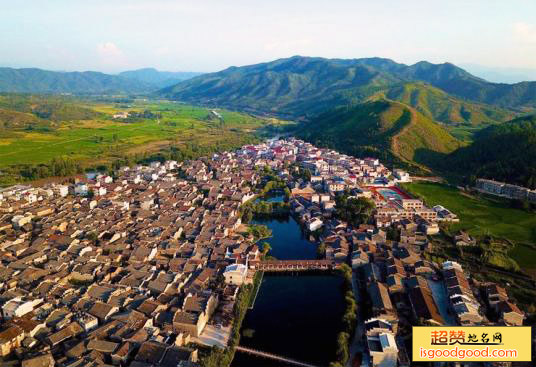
[(342, 347), (266, 248), (321, 250), (354, 211)]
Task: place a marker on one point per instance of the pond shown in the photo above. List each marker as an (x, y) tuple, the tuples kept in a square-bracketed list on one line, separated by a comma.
[(297, 317), (288, 241), (272, 197)]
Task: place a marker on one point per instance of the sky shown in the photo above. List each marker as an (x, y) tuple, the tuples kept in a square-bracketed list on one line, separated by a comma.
[(210, 35)]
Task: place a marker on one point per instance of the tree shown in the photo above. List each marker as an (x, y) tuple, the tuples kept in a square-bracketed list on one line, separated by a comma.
[(92, 236), (266, 248), (321, 250), (247, 214), (393, 234), (307, 174), (354, 211), (342, 347)]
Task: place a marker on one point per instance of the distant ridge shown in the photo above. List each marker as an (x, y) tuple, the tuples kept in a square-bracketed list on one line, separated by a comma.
[(159, 79), (40, 81), (302, 87)]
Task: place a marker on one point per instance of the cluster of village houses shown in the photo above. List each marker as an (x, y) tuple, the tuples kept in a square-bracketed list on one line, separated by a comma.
[(138, 269), (509, 191)]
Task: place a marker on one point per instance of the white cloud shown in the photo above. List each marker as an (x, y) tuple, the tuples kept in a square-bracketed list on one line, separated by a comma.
[(111, 56), (525, 32), (109, 50)]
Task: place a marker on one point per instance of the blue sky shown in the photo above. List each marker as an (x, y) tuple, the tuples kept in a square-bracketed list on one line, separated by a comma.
[(202, 35)]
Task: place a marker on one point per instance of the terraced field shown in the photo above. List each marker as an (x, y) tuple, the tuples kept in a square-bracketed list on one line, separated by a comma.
[(104, 136)]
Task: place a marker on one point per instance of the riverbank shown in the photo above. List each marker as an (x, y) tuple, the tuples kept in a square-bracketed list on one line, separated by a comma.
[(217, 357), (288, 242)]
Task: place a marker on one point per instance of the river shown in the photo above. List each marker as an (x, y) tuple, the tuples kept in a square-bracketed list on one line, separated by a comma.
[(296, 316), (287, 241)]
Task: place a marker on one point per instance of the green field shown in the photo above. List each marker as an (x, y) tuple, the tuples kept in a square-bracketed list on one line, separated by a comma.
[(484, 216), (480, 216), (36, 130), (525, 257), (103, 136), (464, 133)]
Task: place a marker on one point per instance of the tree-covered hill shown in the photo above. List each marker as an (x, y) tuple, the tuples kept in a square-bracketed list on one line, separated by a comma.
[(52, 108), (157, 78), (53, 82), (297, 86), (440, 106), (386, 129), (302, 87), (505, 152)]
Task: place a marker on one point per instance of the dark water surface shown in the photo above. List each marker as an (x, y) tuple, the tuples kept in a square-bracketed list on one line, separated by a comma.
[(294, 316), (288, 241)]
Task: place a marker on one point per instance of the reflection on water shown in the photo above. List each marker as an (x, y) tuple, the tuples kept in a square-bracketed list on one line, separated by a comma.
[(294, 316), (288, 241)]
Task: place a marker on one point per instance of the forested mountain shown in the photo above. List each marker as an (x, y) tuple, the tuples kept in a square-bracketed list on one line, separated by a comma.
[(305, 86), (505, 152), (298, 86), (440, 106), (54, 82), (159, 79), (386, 129)]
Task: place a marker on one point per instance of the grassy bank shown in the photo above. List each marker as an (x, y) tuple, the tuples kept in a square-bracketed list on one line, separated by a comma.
[(485, 217), (479, 215)]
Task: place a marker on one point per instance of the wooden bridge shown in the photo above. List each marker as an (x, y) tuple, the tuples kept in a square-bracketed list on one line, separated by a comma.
[(275, 357), (295, 265)]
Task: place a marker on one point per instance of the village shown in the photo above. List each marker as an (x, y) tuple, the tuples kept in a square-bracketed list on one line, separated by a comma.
[(143, 267)]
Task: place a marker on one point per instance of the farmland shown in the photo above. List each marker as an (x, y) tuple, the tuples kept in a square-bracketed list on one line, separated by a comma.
[(103, 138), (482, 216)]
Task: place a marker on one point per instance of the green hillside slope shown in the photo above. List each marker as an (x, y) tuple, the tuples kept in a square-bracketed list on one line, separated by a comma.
[(440, 106), (14, 119), (53, 108), (157, 78), (53, 82), (505, 152), (386, 129), (301, 87)]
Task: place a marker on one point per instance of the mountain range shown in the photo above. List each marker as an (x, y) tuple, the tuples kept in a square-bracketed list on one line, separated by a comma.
[(372, 106), (33, 80), (302, 87), (159, 79)]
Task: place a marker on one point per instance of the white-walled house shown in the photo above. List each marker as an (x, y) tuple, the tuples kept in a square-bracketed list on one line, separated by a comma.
[(235, 274)]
